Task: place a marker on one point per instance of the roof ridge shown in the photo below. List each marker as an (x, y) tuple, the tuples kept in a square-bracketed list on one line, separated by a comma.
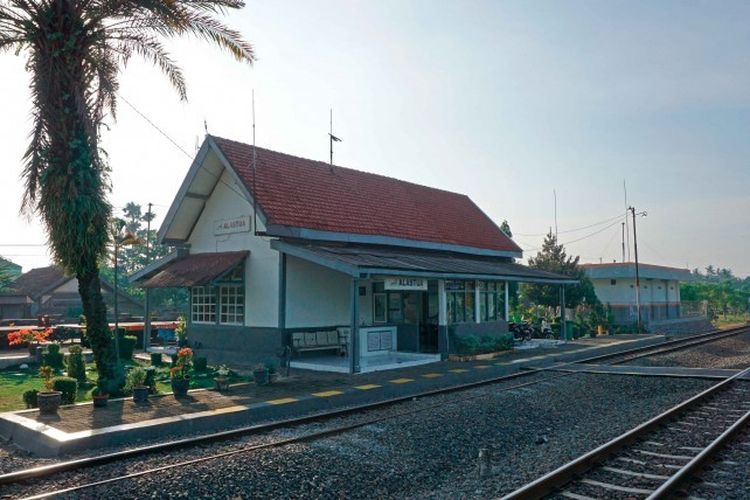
[(323, 164)]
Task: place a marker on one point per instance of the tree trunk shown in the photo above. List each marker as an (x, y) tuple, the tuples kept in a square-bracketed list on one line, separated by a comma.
[(98, 332)]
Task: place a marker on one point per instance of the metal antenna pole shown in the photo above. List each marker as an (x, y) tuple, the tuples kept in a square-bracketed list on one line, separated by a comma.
[(623, 241), (255, 174), (554, 193), (637, 273), (330, 137), (627, 229)]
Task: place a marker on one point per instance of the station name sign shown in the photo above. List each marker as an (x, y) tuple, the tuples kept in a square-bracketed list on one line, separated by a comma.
[(234, 225), (405, 284)]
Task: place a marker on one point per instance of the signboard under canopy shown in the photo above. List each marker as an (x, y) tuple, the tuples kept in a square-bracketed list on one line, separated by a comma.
[(405, 283)]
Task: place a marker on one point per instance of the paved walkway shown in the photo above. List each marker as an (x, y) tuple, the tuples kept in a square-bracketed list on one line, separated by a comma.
[(80, 426)]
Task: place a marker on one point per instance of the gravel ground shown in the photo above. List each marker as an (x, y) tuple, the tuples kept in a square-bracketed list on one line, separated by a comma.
[(431, 454), (732, 352), (729, 477)]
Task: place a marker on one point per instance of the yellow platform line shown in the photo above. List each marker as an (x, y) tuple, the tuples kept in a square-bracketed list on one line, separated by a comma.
[(458, 370), (367, 387), (327, 394), (401, 380), (282, 401), (482, 367), (432, 375)]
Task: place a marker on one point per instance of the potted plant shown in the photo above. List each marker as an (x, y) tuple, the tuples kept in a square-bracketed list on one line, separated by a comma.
[(260, 374), (221, 380), (49, 400), (100, 397), (180, 372), (136, 381), (271, 367)]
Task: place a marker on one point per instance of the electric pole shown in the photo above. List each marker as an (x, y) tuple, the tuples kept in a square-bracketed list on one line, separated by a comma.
[(147, 291), (637, 273)]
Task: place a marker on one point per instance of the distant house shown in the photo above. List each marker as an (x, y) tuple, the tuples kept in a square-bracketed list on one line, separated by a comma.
[(48, 291), (614, 284)]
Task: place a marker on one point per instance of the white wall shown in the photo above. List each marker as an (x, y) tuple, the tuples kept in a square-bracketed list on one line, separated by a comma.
[(261, 267), (623, 294), (315, 295)]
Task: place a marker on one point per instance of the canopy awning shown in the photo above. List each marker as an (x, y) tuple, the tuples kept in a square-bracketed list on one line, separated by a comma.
[(369, 260), (193, 269)]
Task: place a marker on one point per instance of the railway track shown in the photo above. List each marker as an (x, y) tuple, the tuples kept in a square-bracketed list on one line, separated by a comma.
[(40, 473), (667, 346), (657, 458)]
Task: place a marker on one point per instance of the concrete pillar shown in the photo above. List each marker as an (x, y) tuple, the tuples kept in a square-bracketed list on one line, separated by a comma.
[(507, 303), (477, 297), (354, 334), (146, 319), (442, 321)]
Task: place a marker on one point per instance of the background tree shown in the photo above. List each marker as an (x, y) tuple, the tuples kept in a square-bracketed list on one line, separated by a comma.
[(724, 292), (512, 285), (552, 258), (75, 50)]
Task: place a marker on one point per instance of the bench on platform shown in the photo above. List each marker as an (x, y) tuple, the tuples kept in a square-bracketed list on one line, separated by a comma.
[(318, 341)]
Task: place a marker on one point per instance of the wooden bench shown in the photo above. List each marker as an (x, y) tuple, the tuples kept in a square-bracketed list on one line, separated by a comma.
[(329, 340)]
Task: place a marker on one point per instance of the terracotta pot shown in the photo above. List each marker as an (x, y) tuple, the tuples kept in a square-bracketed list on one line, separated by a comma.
[(140, 394), (48, 402), (221, 384), (180, 386), (100, 400)]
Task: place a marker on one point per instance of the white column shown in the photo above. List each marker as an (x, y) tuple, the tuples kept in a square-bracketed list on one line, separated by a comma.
[(476, 302), (442, 304), (507, 303)]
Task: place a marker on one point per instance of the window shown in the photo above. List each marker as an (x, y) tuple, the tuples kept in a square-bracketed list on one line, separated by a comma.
[(613, 282), (460, 301), (232, 304), (491, 301), (203, 304), (379, 307)]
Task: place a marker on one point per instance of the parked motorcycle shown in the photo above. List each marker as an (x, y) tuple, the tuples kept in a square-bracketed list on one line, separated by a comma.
[(521, 331)]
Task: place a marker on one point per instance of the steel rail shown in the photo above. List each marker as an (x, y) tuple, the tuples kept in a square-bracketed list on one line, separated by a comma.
[(93, 461), (690, 469), (553, 480)]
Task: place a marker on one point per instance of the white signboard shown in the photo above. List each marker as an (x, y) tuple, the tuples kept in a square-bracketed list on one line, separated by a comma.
[(405, 284), (235, 225)]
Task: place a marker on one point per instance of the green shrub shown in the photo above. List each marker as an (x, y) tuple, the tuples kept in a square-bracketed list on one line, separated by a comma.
[(53, 357), (69, 388), (150, 379), (504, 342), (200, 364), (29, 397), (136, 377), (156, 359), (76, 367), (127, 346), (468, 344)]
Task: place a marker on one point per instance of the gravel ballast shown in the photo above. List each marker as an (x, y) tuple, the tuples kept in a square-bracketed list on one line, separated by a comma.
[(732, 352), (430, 454)]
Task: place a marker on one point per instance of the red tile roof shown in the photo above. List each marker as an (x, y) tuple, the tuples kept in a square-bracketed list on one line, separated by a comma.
[(195, 269), (300, 193)]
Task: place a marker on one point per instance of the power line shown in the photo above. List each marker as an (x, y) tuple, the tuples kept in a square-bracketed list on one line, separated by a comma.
[(567, 231), (581, 238), (174, 143)]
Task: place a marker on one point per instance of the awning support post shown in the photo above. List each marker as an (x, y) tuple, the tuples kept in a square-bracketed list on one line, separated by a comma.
[(477, 298), (146, 319), (442, 321), (563, 335), (507, 303), (354, 334)]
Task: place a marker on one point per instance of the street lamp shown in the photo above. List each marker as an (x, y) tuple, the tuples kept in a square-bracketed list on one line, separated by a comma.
[(121, 236)]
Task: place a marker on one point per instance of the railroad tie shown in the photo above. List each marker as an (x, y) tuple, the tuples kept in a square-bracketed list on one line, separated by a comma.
[(616, 487), (643, 475)]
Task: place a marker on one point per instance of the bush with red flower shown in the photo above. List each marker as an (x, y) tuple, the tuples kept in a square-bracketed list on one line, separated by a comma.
[(29, 336), (183, 364)]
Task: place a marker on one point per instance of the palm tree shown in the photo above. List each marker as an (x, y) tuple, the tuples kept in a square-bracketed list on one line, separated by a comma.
[(75, 51)]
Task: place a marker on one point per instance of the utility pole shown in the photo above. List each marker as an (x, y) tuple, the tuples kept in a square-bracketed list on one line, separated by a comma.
[(147, 291), (637, 273)]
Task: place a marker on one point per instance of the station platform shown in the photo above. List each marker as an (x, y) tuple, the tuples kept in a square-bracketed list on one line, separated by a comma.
[(80, 427)]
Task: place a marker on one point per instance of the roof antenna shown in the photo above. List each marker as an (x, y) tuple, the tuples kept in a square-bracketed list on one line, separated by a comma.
[(255, 174), (332, 139), (205, 126)]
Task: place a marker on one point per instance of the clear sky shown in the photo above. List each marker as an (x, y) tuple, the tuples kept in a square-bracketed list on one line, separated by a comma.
[(505, 101)]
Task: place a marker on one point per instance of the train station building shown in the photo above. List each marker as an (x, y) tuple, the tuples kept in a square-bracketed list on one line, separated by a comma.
[(352, 271)]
